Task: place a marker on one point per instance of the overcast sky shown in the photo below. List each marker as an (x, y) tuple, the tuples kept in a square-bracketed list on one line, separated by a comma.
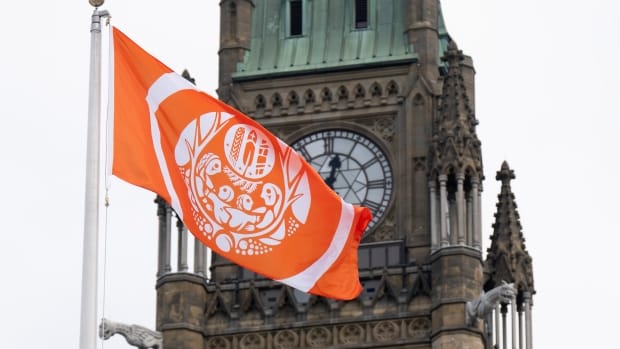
[(546, 99)]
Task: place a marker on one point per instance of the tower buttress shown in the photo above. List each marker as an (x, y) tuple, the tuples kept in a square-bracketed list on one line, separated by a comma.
[(235, 35), (454, 185), (455, 163), (421, 29)]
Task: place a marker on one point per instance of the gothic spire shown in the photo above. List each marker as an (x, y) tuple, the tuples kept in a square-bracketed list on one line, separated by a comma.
[(507, 258), (455, 144)]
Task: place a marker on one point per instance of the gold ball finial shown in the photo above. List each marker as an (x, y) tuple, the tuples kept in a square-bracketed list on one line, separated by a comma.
[(96, 3)]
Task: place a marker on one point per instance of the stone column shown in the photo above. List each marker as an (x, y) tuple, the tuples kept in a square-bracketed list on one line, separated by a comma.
[(504, 327), (497, 328), (443, 210), (182, 247), (469, 220), (433, 203), (460, 209), (200, 258), (475, 197), (520, 329), (527, 300), (164, 213), (513, 315)]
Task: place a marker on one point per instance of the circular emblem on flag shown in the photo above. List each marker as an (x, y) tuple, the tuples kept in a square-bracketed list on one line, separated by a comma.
[(247, 190)]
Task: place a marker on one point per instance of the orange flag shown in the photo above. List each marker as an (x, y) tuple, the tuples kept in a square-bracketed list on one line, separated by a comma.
[(240, 190)]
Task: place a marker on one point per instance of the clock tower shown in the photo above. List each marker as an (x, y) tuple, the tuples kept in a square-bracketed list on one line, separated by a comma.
[(380, 101)]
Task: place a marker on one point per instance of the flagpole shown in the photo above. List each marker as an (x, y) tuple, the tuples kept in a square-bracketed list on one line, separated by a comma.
[(88, 316)]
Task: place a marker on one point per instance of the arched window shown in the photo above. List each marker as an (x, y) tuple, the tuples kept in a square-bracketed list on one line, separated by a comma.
[(296, 15), (361, 14)]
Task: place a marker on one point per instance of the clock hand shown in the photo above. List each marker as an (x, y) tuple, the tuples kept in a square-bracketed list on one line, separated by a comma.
[(334, 164)]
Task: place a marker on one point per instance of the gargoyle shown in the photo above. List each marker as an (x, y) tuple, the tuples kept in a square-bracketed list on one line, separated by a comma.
[(483, 305), (135, 335)]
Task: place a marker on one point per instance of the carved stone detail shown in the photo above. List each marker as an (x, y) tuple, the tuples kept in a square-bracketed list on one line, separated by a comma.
[(419, 163), (359, 91), (286, 339), (136, 335), (330, 98), (252, 341), (385, 128), (219, 343), (455, 144), (309, 97), (419, 328), (326, 95), (418, 100), (392, 88), (351, 334), (507, 257), (260, 102), (386, 330), (376, 90), (483, 305), (319, 337), (323, 336)]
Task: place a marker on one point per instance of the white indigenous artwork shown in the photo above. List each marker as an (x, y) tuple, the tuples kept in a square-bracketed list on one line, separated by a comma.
[(249, 200)]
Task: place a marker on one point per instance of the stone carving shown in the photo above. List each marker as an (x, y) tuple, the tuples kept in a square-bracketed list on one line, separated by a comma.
[(218, 343), (252, 341), (319, 337), (286, 339), (419, 328), (483, 305), (386, 128), (352, 334), (375, 90), (386, 331), (135, 335)]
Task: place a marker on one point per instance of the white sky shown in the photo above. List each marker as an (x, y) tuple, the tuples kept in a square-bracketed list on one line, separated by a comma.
[(545, 100)]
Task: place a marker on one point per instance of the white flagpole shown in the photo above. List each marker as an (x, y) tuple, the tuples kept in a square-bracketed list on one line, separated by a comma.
[(88, 317)]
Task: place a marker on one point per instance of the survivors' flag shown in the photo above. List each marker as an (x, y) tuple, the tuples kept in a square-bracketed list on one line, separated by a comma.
[(240, 190)]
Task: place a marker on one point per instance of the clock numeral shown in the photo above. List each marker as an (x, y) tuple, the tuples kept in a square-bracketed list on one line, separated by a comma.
[(379, 183), (328, 145), (370, 163), (373, 206)]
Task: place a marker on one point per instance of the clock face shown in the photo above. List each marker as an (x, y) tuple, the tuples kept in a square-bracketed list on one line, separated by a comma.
[(351, 164)]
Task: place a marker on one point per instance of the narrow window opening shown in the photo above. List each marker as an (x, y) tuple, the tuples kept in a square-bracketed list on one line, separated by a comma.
[(361, 14), (296, 17)]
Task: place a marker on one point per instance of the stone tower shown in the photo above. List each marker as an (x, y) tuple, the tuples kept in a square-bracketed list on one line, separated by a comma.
[(379, 99)]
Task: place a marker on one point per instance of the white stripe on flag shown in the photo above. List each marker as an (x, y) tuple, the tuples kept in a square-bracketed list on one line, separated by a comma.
[(306, 279), (164, 87)]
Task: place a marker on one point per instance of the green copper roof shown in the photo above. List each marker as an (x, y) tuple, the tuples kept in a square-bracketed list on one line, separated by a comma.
[(329, 38)]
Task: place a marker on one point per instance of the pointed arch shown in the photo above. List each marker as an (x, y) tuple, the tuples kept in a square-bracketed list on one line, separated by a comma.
[(326, 95), (376, 90), (276, 100), (260, 102), (418, 100), (293, 98), (392, 88), (343, 93), (309, 97), (359, 92)]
